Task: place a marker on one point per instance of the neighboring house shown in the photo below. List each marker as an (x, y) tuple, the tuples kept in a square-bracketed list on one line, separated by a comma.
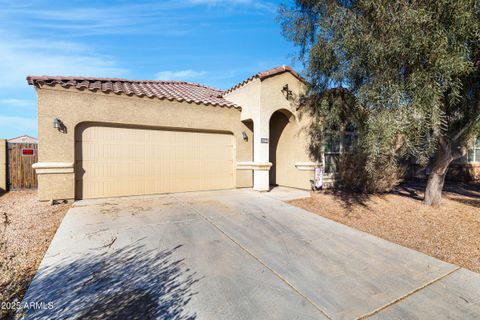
[(467, 168), (23, 139), (116, 137)]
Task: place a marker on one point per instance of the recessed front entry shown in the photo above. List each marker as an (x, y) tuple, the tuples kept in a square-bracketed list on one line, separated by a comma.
[(121, 161), (283, 148)]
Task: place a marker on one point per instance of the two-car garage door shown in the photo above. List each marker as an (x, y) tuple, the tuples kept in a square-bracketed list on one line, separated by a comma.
[(121, 161)]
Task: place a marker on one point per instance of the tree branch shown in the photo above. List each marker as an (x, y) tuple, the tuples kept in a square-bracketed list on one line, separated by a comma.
[(466, 127)]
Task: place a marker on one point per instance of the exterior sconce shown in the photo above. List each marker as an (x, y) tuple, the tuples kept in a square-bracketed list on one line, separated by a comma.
[(57, 123), (244, 136), (287, 92)]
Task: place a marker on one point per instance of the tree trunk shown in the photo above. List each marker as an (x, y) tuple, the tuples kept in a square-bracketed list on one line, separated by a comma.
[(436, 179), (433, 193)]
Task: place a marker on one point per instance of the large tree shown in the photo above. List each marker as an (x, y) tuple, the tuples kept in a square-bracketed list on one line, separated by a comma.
[(411, 66)]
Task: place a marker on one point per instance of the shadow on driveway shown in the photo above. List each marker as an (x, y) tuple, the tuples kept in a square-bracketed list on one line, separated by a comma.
[(129, 283)]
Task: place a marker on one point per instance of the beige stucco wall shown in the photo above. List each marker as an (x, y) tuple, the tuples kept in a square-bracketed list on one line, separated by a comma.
[(292, 146), (287, 150), (272, 98), (247, 96), (259, 100), (73, 106), (3, 166)]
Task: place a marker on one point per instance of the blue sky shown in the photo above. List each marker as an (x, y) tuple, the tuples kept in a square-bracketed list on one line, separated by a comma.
[(214, 42)]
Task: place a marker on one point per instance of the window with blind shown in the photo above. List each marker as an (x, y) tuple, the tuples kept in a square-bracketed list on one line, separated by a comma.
[(474, 153), (337, 143)]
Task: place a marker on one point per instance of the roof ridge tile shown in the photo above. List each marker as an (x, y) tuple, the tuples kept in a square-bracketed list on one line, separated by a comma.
[(266, 74)]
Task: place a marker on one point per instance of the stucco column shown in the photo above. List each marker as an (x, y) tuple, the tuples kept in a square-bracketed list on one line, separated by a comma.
[(261, 180)]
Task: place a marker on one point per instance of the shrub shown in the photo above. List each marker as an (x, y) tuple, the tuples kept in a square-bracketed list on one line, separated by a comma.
[(352, 174)]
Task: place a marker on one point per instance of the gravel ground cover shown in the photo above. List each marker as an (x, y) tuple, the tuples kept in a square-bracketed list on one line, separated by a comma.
[(450, 233), (27, 227)]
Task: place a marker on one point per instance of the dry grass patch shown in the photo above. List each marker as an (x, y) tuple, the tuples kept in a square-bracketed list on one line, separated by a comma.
[(27, 227), (450, 233)]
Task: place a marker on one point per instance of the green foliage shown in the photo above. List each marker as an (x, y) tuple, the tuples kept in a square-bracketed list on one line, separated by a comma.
[(405, 73), (353, 177)]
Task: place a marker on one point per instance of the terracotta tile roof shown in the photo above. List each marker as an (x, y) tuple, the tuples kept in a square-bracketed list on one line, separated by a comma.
[(266, 74), (169, 90), (180, 91)]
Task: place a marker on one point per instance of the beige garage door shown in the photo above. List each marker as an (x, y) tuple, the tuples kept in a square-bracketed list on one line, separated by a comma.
[(121, 161)]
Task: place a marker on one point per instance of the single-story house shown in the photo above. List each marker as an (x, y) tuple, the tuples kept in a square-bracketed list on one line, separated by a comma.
[(464, 169), (103, 137)]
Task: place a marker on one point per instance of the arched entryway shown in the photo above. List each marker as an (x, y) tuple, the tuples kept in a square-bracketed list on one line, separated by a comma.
[(281, 123)]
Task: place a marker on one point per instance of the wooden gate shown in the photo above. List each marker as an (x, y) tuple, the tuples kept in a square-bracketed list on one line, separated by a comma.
[(20, 157)]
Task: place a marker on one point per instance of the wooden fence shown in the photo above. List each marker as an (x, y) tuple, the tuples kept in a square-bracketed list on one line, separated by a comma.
[(20, 157)]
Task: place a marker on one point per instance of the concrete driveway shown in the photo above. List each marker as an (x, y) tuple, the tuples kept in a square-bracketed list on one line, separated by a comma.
[(235, 254)]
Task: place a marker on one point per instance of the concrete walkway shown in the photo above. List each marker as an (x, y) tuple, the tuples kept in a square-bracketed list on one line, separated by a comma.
[(236, 254)]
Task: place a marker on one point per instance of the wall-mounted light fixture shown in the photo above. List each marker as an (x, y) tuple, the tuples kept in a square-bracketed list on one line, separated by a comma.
[(57, 123), (287, 92), (244, 135)]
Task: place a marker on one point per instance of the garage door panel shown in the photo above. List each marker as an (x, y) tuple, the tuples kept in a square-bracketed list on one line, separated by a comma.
[(117, 161)]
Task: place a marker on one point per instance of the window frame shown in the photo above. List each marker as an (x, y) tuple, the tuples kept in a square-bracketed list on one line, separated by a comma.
[(474, 152), (341, 136)]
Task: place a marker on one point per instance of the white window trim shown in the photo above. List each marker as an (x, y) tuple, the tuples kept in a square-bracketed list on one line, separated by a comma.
[(476, 152), (340, 149)]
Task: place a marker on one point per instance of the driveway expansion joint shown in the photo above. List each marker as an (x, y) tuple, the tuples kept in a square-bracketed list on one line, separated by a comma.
[(408, 294), (257, 259), (186, 221)]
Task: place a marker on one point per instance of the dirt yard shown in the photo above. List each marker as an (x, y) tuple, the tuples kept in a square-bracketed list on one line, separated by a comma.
[(450, 233), (27, 227)]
